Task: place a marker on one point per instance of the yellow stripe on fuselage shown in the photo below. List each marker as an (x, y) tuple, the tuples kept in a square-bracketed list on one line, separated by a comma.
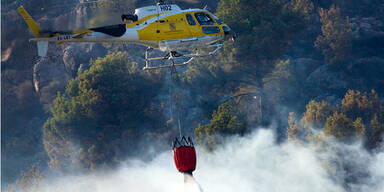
[(81, 31)]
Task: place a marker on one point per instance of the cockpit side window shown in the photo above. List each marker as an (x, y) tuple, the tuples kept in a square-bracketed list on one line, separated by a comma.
[(211, 29), (190, 19), (204, 19)]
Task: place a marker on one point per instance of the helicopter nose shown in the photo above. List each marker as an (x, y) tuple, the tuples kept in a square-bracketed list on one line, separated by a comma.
[(229, 33), (233, 36)]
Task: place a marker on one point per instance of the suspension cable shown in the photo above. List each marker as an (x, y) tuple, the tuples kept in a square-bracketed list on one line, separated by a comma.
[(172, 84)]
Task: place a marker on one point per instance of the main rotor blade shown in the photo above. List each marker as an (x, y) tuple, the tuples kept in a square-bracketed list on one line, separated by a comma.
[(72, 4)]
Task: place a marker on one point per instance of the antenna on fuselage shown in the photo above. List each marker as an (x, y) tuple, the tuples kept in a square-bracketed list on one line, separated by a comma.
[(162, 2)]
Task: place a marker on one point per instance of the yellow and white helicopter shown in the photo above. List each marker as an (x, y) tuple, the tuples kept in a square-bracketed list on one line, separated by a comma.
[(161, 26)]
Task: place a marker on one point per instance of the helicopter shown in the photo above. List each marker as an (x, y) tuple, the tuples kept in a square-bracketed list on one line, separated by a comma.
[(162, 26)]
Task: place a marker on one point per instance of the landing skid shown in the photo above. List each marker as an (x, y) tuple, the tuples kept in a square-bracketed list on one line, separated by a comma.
[(174, 55)]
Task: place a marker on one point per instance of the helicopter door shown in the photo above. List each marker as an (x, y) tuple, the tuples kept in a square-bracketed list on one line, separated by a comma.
[(193, 27), (172, 27)]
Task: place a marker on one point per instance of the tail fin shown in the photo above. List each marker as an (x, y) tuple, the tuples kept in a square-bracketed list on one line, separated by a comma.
[(33, 26), (42, 46)]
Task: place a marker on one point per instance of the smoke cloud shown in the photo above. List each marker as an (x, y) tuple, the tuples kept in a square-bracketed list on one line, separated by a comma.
[(246, 164)]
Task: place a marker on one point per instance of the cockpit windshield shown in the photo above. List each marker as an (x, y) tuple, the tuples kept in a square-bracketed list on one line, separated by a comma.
[(204, 19), (217, 20)]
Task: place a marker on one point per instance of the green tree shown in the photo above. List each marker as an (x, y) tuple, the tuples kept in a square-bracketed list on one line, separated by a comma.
[(377, 134), (342, 128), (30, 180), (356, 104), (264, 29), (315, 116), (295, 132), (317, 113), (359, 115), (281, 85), (102, 113), (351, 7), (335, 39), (224, 122)]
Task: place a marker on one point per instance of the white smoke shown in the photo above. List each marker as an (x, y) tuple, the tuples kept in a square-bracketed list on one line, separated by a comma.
[(256, 163), (248, 164)]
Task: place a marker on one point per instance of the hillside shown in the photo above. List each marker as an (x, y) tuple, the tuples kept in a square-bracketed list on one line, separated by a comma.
[(296, 66)]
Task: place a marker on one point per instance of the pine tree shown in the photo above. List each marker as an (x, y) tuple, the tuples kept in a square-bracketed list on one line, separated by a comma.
[(356, 104), (224, 122), (264, 29), (31, 180), (110, 102), (317, 113), (377, 134), (342, 128), (295, 132), (335, 39)]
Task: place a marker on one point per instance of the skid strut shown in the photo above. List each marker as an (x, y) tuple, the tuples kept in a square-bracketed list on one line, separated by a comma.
[(174, 55)]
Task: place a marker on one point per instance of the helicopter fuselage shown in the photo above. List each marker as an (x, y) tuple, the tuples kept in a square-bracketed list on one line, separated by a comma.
[(164, 27)]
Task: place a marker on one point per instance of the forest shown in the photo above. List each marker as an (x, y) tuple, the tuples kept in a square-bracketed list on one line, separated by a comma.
[(311, 69)]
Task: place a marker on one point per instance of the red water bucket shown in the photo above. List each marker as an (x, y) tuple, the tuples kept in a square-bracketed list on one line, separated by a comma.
[(185, 158)]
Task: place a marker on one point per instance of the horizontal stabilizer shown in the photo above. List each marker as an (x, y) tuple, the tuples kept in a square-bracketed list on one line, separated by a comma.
[(42, 48)]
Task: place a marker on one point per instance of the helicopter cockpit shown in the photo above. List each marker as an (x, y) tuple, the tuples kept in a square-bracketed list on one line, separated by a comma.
[(204, 18)]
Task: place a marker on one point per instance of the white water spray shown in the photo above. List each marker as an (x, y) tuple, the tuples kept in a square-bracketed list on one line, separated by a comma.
[(248, 164)]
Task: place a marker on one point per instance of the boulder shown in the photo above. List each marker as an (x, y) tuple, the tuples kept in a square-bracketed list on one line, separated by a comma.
[(367, 28), (322, 82), (366, 73), (46, 70), (302, 67), (77, 56)]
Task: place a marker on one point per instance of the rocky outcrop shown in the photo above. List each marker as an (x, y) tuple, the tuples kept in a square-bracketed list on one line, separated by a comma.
[(51, 74), (83, 14), (302, 67), (77, 56), (367, 36), (367, 28), (323, 84), (372, 69)]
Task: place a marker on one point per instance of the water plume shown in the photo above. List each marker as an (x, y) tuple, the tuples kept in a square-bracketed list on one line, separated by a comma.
[(247, 164)]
